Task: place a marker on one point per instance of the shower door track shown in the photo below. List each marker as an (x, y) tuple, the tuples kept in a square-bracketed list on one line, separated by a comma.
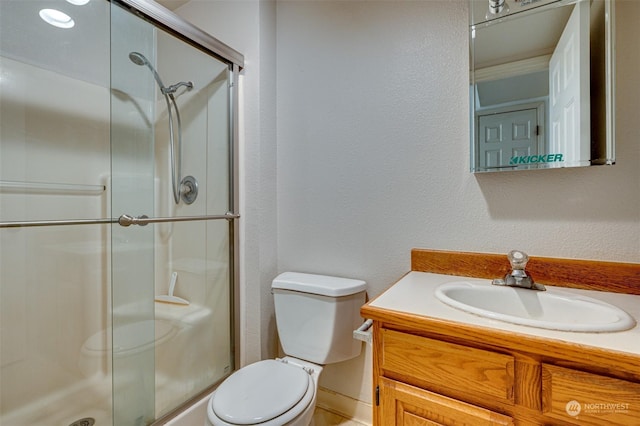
[(190, 33), (124, 220)]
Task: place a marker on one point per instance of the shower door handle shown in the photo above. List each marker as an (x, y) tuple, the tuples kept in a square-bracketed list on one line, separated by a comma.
[(127, 220)]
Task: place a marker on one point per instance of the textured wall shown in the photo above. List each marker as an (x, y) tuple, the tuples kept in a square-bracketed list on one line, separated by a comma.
[(373, 149)]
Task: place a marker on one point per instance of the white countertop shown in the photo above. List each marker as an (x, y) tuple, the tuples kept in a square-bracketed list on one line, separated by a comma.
[(414, 294)]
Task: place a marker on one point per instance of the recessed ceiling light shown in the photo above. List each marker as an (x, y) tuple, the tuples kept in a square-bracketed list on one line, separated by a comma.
[(57, 18), (79, 2)]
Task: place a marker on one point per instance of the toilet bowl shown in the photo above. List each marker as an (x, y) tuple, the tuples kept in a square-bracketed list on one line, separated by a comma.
[(269, 393), (315, 317)]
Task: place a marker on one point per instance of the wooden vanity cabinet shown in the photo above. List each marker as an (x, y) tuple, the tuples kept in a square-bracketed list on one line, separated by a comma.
[(430, 374), (430, 371)]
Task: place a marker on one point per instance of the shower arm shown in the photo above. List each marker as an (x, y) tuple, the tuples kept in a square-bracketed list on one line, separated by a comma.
[(174, 87)]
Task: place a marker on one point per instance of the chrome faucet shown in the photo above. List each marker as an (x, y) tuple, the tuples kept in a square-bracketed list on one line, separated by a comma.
[(518, 277)]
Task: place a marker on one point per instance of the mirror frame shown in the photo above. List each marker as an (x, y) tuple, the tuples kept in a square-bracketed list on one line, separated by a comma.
[(602, 140)]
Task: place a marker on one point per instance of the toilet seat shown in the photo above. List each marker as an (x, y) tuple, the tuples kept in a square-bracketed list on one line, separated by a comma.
[(268, 393)]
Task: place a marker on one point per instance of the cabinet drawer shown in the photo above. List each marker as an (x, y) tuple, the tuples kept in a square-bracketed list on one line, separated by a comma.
[(404, 405), (448, 365), (588, 399)]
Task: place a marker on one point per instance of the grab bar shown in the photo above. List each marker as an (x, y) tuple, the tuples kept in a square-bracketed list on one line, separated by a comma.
[(50, 188), (124, 220)]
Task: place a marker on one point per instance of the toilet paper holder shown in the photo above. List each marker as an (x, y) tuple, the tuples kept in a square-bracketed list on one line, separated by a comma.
[(363, 333)]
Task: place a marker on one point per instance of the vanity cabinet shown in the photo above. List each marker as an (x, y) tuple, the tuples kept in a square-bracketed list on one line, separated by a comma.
[(433, 365), (427, 378)]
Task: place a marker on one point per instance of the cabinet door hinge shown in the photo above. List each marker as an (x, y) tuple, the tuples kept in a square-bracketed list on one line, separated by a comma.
[(377, 395)]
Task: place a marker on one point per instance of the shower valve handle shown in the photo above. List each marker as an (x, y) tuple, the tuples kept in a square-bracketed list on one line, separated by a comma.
[(189, 189)]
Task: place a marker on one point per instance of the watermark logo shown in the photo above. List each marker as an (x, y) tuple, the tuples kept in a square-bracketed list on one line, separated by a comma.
[(573, 408)]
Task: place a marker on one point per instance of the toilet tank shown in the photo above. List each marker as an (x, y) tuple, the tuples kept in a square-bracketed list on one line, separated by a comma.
[(316, 316)]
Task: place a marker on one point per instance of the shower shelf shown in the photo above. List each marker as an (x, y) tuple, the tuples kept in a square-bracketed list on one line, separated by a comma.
[(8, 186)]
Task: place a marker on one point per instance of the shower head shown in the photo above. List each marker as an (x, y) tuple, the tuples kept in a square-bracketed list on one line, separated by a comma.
[(138, 58)]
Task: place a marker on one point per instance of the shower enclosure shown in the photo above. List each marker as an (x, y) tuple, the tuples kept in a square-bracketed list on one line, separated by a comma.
[(118, 212)]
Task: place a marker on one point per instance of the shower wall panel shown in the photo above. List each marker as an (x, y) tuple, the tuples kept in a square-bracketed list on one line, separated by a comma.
[(54, 282)]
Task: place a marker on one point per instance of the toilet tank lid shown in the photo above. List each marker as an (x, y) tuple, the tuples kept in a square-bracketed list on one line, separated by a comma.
[(318, 284)]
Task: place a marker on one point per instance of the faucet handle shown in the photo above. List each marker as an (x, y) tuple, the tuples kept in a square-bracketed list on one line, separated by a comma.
[(518, 259)]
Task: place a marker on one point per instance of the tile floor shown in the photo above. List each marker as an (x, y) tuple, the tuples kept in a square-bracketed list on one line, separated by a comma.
[(325, 418)]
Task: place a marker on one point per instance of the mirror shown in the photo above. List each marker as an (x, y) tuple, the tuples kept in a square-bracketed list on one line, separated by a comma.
[(542, 81)]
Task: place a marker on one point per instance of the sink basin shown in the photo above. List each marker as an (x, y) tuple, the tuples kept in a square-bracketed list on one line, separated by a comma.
[(551, 309)]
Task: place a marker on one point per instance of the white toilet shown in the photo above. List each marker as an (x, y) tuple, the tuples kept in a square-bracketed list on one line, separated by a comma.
[(315, 316)]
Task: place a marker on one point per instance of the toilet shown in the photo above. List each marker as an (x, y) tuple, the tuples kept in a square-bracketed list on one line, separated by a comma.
[(315, 317)]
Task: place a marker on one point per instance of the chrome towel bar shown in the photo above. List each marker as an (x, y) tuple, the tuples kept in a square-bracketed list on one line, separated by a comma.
[(124, 220), (50, 188)]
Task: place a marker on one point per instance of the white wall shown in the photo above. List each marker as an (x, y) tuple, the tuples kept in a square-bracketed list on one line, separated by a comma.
[(373, 154)]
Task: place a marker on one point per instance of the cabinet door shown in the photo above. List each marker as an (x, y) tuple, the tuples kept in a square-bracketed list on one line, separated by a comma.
[(404, 405)]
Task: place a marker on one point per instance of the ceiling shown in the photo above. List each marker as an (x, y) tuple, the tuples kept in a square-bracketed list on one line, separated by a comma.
[(172, 4), (81, 52), (524, 35)]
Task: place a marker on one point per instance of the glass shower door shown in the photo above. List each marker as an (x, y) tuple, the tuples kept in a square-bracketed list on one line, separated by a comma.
[(132, 248), (171, 187), (54, 231)]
